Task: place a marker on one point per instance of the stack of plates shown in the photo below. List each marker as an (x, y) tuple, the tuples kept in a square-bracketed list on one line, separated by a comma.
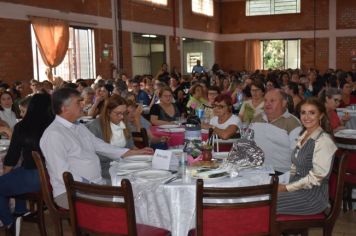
[(129, 167), (138, 158)]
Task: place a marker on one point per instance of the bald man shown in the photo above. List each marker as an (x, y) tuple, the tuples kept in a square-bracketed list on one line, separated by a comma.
[(276, 131)]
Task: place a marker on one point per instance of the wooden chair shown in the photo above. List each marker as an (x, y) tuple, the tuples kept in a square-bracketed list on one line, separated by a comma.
[(93, 211), (37, 208), (301, 223), (248, 218), (56, 213), (350, 177), (140, 138)]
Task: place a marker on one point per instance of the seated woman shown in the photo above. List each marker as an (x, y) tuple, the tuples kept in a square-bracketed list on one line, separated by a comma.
[(307, 190), (111, 128), (224, 123), (164, 112), (25, 139), (331, 98), (197, 99), (347, 98), (213, 92), (102, 95), (7, 110), (251, 108), (136, 121), (88, 99)]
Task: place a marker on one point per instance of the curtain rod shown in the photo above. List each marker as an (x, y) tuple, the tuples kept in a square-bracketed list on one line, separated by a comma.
[(69, 21)]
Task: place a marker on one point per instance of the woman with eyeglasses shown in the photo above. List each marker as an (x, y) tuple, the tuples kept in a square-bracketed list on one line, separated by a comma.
[(110, 126), (331, 98), (224, 123), (251, 108), (165, 112)]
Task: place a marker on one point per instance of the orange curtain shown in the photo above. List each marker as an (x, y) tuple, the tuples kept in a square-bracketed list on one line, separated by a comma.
[(252, 55), (52, 38)]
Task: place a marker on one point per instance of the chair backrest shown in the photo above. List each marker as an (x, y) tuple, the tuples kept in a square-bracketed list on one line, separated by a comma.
[(232, 217), (345, 144), (140, 138), (46, 187), (100, 209), (336, 187)]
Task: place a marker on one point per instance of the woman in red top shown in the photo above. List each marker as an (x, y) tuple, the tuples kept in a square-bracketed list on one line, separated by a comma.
[(332, 97), (347, 98)]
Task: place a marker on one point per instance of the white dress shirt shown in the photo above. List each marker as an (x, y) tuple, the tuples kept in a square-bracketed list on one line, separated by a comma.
[(72, 147), (9, 117)]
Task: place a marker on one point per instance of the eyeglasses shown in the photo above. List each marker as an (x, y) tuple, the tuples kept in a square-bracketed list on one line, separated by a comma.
[(212, 94), (219, 106), (117, 113), (337, 100)]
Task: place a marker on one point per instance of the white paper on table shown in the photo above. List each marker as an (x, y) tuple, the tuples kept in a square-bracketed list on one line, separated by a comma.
[(162, 159), (284, 179)]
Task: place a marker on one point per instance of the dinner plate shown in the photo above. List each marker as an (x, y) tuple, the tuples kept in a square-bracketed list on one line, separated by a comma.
[(153, 174), (168, 126), (346, 132), (133, 166), (351, 111), (220, 155), (138, 158), (204, 131)]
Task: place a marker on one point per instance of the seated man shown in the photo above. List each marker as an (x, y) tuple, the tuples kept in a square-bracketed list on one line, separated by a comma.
[(68, 146), (276, 131)]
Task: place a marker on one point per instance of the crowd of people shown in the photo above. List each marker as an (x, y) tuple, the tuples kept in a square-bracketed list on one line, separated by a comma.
[(293, 115)]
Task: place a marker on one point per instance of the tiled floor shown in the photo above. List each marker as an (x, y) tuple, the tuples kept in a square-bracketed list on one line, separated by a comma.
[(345, 226)]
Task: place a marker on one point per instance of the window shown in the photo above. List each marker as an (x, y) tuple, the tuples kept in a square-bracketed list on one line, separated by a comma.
[(159, 2), (195, 49), (205, 7), (79, 61), (272, 7), (280, 54)]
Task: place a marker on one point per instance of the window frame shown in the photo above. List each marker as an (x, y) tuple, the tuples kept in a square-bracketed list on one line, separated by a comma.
[(285, 53), (272, 11), (149, 3), (72, 68), (201, 13)]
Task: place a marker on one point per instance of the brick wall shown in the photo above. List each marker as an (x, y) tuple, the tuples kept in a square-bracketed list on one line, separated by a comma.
[(201, 22), (137, 10), (126, 51), (103, 64), (15, 50), (230, 55), (346, 14), (344, 47), (90, 7), (321, 54), (174, 49)]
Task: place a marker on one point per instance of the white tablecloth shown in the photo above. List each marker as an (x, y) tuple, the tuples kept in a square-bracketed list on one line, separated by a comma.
[(172, 206)]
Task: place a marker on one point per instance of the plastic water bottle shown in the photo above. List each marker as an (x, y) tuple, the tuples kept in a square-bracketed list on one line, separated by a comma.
[(183, 167)]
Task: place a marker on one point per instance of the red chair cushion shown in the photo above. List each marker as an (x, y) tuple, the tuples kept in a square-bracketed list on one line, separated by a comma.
[(232, 221), (300, 217), (101, 219), (147, 230)]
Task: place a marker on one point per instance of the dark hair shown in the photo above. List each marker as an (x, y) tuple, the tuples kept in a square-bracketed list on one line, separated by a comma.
[(195, 86), (214, 88), (258, 85), (25, 101), (325, 124), (70, 85), (82, 83), (294, 87), (13, 106), (60, 96), (226, 98), (343, 82), (38, 117)]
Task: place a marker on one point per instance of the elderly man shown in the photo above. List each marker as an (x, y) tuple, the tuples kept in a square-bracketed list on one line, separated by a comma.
[(276, 131), (70, 146)]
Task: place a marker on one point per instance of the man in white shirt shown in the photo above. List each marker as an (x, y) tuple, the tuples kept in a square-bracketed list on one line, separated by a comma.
[(276, 131), (70, 146)]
